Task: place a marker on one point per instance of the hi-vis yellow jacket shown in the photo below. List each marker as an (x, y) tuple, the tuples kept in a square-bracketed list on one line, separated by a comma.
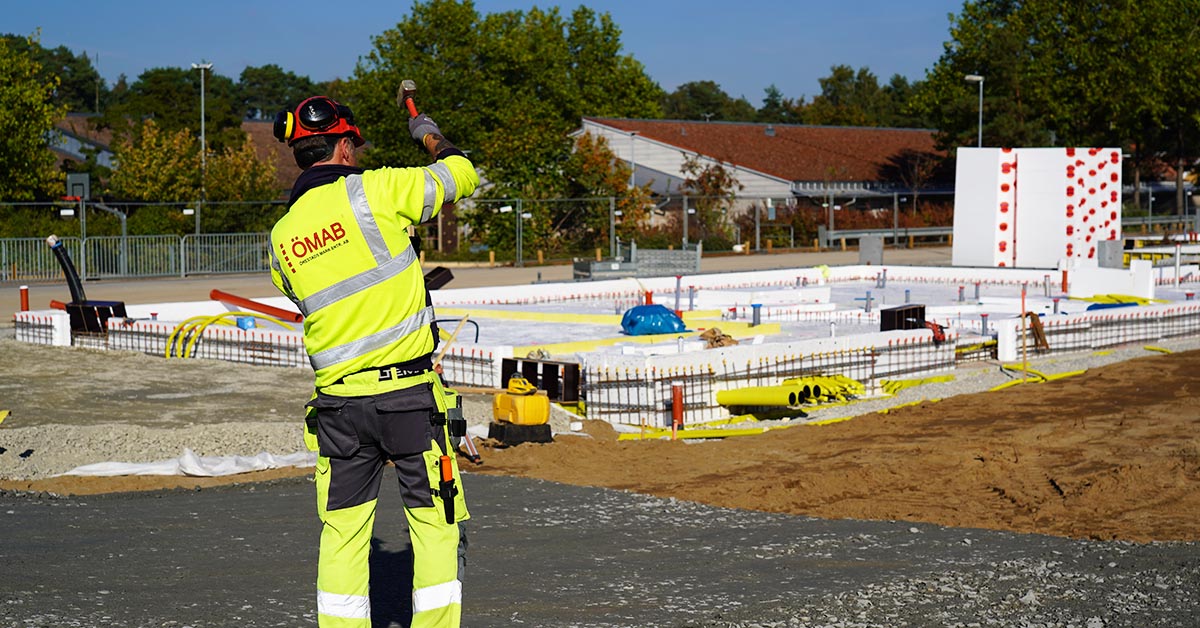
[(343, 256)]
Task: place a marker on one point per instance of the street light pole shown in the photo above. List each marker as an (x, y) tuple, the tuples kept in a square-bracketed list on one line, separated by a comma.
[(203, 67), (632, 161), (978, 78)]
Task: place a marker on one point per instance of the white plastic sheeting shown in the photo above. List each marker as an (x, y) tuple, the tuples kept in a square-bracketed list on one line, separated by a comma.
[(200, 466)]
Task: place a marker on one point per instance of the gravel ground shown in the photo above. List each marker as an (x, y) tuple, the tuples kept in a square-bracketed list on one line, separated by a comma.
[(226, 409)]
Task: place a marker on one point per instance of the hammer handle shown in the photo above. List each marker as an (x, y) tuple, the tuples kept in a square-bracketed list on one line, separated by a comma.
[(412, 107)]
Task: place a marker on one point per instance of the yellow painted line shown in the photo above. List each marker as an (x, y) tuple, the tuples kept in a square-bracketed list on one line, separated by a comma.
[(4, 415), (1158, 349), (701, 314), (539, 317)]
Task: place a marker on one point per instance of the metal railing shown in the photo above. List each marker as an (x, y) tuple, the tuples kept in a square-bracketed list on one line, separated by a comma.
[(30, 259), (111, 257)]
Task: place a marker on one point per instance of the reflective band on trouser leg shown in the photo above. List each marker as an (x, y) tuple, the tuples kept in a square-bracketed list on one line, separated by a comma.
[(343, 568), (437, 591)]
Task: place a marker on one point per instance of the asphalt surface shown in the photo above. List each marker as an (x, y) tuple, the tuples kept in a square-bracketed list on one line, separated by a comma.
[(545, 554)]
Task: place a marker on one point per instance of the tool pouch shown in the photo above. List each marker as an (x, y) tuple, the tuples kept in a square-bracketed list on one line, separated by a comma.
[(457, 509)]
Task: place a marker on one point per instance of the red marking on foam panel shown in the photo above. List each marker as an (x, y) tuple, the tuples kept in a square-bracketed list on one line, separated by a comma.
[(1003, 247), (1004, 187), (1112, 215), (1006, 150), (1093, 151), (1070, 152), (1115, 157), (1115, 177), (1070, 230), (1091, 173), (1070, 190), (1114, 196), (1004, 206), (1091, 191), (1004, 226)]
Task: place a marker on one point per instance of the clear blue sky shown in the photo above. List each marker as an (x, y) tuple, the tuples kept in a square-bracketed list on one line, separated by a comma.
[(743, 46)]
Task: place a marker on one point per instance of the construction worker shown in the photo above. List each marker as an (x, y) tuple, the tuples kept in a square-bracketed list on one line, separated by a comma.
[(342, 254)]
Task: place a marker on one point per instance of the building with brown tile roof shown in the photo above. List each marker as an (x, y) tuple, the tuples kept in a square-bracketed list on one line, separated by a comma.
[(769, 160)]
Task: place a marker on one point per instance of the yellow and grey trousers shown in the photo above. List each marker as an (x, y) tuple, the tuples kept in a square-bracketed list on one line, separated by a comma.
[(356, 432)]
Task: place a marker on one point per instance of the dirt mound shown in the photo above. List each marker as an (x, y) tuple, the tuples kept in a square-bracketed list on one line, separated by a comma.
[(1110, 454)]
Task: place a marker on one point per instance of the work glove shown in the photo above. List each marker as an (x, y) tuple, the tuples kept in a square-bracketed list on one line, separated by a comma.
[(421, 126)]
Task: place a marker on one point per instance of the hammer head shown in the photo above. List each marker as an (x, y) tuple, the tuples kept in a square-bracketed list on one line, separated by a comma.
[(408, 88)]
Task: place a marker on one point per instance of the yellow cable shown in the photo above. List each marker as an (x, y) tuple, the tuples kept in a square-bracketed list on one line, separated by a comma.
[(177, 331), (199, 329)]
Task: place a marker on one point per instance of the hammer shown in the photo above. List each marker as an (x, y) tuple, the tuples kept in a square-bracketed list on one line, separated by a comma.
[(404, 96)]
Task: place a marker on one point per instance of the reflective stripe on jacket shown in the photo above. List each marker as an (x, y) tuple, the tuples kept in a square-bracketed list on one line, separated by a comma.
[(343, 256)]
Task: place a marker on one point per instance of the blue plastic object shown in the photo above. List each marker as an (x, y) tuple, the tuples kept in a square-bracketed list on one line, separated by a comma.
[(1109, 306), (643, 320), (246, 322)]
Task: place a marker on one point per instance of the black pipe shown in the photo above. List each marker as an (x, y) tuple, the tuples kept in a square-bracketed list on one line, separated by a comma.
[(64, 260)]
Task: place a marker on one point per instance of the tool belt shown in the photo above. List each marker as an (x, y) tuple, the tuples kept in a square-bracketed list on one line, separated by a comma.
[(399, 370)]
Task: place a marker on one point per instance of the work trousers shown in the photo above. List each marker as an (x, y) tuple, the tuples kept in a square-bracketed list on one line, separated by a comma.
[(356, 436)]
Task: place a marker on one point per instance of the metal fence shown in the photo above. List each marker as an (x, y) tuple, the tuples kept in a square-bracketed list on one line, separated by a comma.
[(110, 257)]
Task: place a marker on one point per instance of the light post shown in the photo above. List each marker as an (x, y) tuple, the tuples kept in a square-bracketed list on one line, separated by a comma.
[(687, 214), (978, 78), (632, 161), (520, 219), (203, 67)]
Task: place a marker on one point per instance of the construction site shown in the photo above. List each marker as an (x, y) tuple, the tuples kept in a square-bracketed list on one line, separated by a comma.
[(835, 433)]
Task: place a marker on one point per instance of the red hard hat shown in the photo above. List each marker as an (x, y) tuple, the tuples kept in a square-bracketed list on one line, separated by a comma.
[(319, 115)]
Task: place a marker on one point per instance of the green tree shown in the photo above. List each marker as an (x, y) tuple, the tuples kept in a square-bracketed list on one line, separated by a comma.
[(508, 87), (777, 109), (27, 116), (265, 90), (705, 100), (1100, 73), (171, 97), (851, 98), (157, 165), (80, 86)]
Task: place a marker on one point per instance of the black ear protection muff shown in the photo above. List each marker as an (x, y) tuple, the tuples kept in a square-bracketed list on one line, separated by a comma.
[(285, 124)]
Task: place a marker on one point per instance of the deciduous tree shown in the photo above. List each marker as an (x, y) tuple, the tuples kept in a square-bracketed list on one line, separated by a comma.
[(265, 90), (705, 100), (27, 115), (508, 87)]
